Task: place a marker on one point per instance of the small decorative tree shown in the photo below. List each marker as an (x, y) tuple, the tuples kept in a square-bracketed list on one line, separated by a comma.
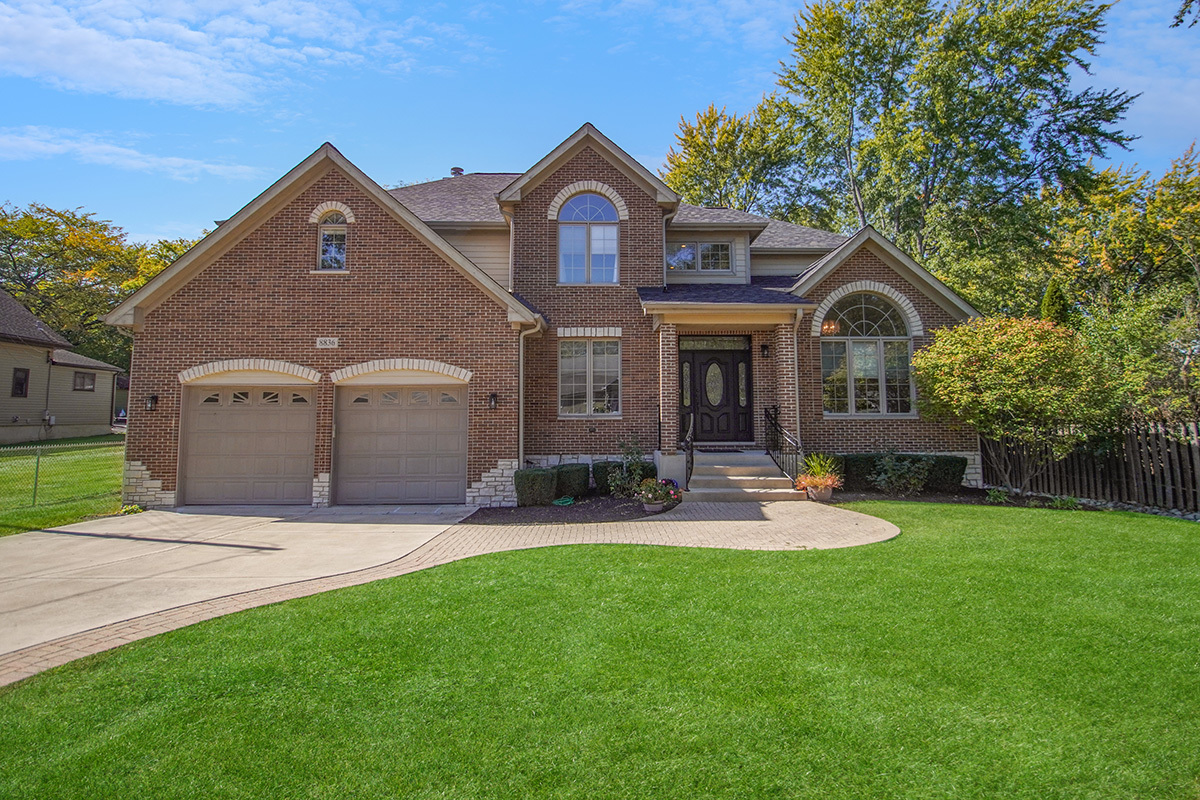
[(1055, 307), (1025, 380)]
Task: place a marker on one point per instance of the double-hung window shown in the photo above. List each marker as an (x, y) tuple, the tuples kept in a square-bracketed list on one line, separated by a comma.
[(20, 382), (865, 353), (85, 382), (699, 257), (587, 240), (589, 377)]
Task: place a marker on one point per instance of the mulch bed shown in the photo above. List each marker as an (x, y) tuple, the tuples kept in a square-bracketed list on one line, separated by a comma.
[(593, 508), (969, 496)]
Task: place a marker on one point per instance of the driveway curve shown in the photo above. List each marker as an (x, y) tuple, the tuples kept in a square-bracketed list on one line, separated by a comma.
[(85, 588)]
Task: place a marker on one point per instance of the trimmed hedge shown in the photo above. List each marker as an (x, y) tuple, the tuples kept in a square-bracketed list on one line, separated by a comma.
[(535, 486), (945, 472), (571, 480), (601, 470)]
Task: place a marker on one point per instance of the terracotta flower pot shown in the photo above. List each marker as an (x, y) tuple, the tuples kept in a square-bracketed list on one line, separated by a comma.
[(820, 493)]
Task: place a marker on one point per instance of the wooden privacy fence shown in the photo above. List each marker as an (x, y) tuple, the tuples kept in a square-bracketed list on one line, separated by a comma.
[(1155, 465)]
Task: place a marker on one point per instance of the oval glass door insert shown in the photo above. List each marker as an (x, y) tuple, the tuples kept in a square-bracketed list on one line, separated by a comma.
[(714, 384)]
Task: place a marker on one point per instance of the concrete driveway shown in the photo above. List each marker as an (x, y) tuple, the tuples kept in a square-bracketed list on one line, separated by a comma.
[(78, 577)]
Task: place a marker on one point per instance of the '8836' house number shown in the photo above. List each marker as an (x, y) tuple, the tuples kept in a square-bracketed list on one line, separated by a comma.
[(326, 342)]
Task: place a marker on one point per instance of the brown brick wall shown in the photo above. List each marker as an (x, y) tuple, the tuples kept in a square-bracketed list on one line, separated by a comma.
[(535, 273), (258, 300), (870, 435)]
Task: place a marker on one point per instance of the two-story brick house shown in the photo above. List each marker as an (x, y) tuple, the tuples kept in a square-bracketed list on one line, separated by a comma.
[(337, 342)]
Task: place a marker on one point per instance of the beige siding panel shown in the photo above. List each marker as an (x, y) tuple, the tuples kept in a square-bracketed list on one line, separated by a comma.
[(21, 417), (488, 250), (740, 254), (786, 264), (69, 407)]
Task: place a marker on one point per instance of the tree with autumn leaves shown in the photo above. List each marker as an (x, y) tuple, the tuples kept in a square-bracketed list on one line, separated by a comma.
[(70, 269)]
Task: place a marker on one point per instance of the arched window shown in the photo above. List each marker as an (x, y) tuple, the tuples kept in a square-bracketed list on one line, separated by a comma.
[(865, 351), (331, 236), (587, 240)]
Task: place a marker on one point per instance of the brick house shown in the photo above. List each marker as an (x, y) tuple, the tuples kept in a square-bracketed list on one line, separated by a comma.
[(334, 342)]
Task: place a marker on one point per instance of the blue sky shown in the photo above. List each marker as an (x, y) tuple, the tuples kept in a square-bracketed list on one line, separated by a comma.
[(163, 115)]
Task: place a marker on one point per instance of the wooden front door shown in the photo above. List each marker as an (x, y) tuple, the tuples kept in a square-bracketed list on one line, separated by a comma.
[(715, 385)]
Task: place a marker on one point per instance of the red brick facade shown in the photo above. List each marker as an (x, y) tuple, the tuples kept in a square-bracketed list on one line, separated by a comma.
[(259, 300)]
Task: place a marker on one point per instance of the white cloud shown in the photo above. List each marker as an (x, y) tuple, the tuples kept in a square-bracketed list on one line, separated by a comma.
[(31, 142), (217, 53)]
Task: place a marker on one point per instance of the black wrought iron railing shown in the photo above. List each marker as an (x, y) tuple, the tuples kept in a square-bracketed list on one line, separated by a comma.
[(688, 445), (783, 447)]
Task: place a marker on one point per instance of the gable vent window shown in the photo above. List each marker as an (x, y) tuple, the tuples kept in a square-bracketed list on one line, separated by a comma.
[(332, 235)]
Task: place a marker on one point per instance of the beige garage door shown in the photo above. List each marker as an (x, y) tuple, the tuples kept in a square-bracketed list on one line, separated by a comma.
[(248, 444), (401, 444)]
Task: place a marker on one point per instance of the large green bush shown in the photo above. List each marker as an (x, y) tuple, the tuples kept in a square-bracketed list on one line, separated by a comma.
[(604, 472), (945, 472), (535, 486), (571, 480)]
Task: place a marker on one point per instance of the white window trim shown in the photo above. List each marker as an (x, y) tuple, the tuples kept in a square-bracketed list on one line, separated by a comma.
[(883, 412), (620, 380), (698, 271)]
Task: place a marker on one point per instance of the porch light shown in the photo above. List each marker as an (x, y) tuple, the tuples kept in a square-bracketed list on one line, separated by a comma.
[(493, 401), (152, 402), (764, 349), (830, 327)]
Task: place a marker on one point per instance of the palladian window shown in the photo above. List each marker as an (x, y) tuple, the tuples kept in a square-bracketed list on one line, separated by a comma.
[(332, 233), (865, 352), (587, 240)]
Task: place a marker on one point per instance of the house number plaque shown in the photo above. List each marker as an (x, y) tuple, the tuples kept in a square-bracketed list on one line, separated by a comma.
[(326, 342)]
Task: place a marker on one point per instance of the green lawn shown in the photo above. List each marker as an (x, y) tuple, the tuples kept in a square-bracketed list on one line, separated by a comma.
[(74, 482), (986, 652)]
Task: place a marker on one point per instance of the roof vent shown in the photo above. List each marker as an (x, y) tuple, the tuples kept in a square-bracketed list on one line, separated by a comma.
[(456, 172)]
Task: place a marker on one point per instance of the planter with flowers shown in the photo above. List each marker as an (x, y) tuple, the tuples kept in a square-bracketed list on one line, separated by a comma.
[(820, 477), (656, 495)]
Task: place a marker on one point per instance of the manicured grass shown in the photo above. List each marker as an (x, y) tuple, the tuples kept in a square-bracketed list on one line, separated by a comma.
[(74, 482), (986, 652)]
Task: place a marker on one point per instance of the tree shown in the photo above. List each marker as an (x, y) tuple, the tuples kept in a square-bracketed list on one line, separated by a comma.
[(1187, 7), (731, 161), (1022, 380), (70, 269), (1054, 304)]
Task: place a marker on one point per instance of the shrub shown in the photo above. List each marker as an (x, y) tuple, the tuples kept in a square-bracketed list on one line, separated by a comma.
[(535, 486), (900, 477), (571, 480), (945, 472), (604, 472), (821, 471), (997, 497), (634, 469), (1065, 503)]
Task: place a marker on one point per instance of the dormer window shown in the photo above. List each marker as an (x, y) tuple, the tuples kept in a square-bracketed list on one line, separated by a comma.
[(587, 240), (331, 235)]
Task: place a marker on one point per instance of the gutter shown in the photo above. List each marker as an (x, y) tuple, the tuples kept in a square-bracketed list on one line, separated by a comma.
[(538, 327), (796, 366)]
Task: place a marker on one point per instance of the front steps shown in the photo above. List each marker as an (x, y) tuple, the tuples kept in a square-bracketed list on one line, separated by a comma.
[(750, 476)]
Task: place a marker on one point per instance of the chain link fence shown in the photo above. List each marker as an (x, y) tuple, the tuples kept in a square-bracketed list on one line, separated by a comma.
[(45, 474)]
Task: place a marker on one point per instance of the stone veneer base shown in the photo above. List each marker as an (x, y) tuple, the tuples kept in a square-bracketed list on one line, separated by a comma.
[(496, 488), (140, 489)]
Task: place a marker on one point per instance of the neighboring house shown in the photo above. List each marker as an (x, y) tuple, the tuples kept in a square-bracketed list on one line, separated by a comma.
[(336, 342), (52, 392)]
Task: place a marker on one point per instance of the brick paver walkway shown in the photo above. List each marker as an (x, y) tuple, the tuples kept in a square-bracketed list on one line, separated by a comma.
[(738, 526)]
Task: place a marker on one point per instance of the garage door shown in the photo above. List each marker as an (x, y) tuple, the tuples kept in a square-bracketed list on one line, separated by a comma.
[(401, 444), (248, 444)]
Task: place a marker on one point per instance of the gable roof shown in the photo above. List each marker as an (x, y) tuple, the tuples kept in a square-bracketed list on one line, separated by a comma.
[(18, 324), (588, 135), (174, 277), (894, 257)]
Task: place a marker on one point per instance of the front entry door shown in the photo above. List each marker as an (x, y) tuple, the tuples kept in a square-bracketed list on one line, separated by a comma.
[(715, 386)]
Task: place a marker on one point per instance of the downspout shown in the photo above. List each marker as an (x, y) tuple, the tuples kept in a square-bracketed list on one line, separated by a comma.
[(796, 365), (537, 327), (46, 410)]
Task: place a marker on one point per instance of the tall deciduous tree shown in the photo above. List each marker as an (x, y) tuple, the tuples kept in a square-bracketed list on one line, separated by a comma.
[(1187, 8)]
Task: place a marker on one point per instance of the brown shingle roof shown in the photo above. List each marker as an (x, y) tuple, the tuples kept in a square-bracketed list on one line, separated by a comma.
[(18, 324), (68, 359), (466, 198)]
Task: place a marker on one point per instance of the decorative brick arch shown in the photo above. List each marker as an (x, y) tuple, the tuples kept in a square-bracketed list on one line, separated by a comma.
[(579, 187), (305, 374), (326, 207), (390, 364), (915, 326)]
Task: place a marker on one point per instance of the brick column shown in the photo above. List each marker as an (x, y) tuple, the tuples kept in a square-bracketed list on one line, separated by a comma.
[(668, 385), (784, 345)]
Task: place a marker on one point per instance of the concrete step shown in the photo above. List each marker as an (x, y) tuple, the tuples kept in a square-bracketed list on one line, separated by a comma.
[(756, 471), (741, 495), (732, 459), (775, 481)]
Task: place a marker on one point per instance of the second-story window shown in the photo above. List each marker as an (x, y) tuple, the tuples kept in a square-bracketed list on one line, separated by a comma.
[(587, 240), (699, 256), (332, 241)]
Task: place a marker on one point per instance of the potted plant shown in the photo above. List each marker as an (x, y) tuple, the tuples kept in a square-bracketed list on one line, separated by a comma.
[(655, 494), (820, 477)]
